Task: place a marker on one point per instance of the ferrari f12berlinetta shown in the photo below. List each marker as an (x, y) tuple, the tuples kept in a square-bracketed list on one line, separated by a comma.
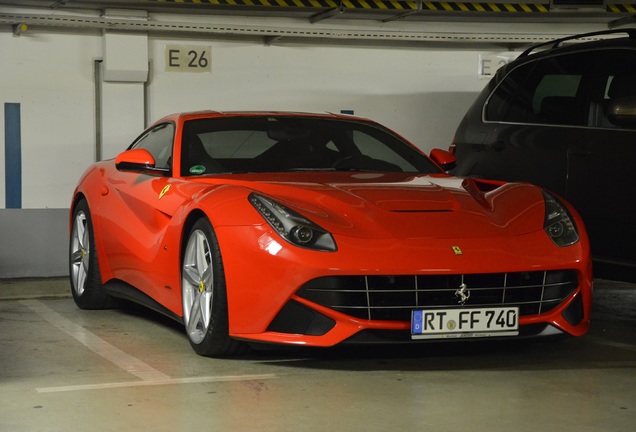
[(317, 230)]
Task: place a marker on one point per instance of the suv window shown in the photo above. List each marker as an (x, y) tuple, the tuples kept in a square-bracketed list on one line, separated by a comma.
[(548, 91)]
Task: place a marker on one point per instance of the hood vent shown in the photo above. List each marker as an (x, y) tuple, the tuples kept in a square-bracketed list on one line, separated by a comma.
[(422, 211)]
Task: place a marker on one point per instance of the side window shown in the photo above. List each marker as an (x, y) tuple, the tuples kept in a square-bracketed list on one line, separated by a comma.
[(546, 91), (509, 96), (617, 79), (158, 141), (552, 89)]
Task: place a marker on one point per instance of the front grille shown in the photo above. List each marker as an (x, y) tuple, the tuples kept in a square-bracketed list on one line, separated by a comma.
[(394, 297)]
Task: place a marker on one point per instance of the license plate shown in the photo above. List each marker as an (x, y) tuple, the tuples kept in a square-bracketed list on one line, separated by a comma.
[(464, 323)]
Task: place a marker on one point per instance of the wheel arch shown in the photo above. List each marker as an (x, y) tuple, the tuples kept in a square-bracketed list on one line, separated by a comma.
[(84, 269), (216, 340), (79, 196), (188, 223), (97, 233)]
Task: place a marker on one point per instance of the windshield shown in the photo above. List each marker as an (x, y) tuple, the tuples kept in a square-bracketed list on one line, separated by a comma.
[(279, 143)]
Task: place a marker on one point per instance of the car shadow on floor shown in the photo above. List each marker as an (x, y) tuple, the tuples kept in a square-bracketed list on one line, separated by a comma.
[(613, 316)]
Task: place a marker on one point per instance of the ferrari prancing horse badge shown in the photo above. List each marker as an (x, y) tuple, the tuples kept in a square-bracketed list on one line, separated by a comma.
[(163, 191)]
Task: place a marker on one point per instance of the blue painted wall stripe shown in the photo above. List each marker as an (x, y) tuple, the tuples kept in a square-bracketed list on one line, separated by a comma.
[(12, 156)]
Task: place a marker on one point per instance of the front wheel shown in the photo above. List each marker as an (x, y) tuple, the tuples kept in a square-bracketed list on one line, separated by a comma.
[(204, 296), (86, 284)]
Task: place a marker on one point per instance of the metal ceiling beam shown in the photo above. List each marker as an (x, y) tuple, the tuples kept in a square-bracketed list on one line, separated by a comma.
[(364, 31)]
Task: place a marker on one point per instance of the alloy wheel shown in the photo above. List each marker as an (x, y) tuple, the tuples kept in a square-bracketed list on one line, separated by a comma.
[(80, 252), (197, 286)]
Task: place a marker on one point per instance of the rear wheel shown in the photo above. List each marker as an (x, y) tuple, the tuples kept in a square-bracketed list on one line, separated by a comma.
[(204, 296), (86, 283)]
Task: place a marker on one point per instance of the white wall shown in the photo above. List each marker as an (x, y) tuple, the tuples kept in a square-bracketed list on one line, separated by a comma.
[(420, 92), (410, 90), (51, 76)]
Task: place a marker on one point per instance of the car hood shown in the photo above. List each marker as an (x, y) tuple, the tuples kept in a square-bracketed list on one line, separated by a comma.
[(406, 206)]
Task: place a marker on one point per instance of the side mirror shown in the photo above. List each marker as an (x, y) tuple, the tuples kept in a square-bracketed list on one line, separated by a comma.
[(622, 111), (139, 160), (445, 159)]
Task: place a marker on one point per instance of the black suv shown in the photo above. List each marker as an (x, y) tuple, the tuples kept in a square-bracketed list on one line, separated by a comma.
[(563, 116)]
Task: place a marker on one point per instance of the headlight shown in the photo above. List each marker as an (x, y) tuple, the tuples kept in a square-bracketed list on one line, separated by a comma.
[(292, 226), (558, 223)]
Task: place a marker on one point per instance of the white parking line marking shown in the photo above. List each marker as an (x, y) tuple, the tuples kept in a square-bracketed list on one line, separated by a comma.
[(193, 380), (149, 376), (125, 361)]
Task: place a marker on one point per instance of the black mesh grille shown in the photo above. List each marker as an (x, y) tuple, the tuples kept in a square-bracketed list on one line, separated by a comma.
[(394, 297)]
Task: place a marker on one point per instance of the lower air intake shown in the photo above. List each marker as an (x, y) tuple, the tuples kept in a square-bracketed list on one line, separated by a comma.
[(394, 297)]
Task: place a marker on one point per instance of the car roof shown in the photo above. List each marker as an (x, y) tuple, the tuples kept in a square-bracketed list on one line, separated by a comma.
[(193, 115), (589, 41), (606, 39)]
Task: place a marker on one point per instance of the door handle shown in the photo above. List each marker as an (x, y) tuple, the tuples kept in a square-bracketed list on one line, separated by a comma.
[(580, 150)]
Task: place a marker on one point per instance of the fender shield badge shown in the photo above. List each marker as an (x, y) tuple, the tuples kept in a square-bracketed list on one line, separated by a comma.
[(164, 190), (457, 250)]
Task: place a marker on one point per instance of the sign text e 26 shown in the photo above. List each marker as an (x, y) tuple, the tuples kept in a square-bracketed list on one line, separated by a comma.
[(195, 58)]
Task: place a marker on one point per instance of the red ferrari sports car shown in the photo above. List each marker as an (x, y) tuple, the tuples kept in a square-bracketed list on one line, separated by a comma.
[(317, 230)]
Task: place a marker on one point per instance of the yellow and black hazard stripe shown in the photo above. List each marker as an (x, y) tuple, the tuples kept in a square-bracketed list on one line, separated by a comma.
[(395, 5), (622, 8), (484, 7)]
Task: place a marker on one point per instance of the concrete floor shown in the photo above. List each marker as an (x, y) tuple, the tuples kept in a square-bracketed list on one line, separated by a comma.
[(64, 369)]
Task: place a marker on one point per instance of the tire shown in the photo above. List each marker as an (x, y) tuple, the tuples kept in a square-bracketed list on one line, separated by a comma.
[(204, 295), (86, 284)]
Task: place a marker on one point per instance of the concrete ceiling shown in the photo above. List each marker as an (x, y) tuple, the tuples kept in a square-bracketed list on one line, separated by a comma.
[(514, 23)]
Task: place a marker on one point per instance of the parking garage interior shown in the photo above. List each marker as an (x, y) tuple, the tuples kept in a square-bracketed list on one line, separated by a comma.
[(81, 79)]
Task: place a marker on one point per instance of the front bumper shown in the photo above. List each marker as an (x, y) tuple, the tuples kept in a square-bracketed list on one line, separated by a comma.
[(279, 293)]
